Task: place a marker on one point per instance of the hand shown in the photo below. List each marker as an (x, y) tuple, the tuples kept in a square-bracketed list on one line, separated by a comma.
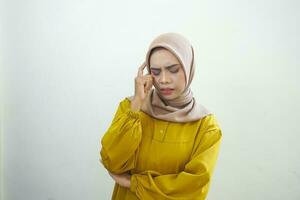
[(143, 84), (122, 179)]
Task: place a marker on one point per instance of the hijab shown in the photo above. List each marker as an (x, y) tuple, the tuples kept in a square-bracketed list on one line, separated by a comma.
[(183, 108)]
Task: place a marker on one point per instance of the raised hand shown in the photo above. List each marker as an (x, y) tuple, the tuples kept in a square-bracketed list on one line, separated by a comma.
[(143, 84)]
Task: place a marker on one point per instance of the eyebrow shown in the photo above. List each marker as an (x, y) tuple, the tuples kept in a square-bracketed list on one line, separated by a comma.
[(168, 67)]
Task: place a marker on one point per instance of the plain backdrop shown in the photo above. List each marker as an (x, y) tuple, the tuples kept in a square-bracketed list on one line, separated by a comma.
[(66, 65)]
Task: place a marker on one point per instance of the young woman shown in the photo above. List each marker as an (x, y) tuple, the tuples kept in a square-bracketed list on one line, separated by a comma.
[(162, 144)]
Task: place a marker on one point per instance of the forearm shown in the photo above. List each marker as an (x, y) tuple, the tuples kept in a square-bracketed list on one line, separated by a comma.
[(120, 143)]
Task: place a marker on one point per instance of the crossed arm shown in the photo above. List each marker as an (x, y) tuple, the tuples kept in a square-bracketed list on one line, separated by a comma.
[(121, 179), (191, 183)]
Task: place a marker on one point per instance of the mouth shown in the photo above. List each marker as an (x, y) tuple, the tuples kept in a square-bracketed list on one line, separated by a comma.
[(166, 91)]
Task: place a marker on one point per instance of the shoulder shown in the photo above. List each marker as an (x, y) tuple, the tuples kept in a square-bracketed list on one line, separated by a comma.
[(209, 120), (209, 123), (124, 104)]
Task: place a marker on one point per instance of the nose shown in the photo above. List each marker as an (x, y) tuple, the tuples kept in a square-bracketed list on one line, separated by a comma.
[(164, 78)]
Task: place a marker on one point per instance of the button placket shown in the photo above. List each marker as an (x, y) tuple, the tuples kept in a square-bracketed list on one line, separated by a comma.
[(160, 130)]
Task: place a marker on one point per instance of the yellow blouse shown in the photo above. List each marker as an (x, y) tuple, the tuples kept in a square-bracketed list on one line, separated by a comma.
[(166, 160)]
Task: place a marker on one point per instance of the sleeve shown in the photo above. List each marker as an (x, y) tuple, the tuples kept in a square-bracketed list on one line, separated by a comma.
[(121, 140), (192, 183)]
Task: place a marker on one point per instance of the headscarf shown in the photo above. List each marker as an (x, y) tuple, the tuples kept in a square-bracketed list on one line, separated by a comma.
[(183, 108)]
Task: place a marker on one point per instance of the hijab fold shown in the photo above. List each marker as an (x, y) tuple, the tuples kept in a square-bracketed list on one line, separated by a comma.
[(184, 108)]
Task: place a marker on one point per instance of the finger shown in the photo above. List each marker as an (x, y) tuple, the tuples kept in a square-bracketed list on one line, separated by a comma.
[(148, 76), (141, 69), (148, 85)]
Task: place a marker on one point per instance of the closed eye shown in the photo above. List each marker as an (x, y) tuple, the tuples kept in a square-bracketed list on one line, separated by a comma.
[(174, 70), (155, 71)]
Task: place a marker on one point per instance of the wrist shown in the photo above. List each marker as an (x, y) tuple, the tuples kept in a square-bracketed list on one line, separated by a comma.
[(136, 104)]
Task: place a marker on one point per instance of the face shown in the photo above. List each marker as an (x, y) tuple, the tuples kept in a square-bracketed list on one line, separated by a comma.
[(168, 74)]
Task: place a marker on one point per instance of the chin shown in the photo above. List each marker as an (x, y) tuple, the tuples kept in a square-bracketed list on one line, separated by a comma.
[(169, 97)]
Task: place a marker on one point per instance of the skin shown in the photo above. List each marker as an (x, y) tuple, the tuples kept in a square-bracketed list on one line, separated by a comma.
[(165, 72), (122, 179)]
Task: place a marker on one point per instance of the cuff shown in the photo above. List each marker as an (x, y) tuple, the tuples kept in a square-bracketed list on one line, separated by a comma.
[(133, 183)]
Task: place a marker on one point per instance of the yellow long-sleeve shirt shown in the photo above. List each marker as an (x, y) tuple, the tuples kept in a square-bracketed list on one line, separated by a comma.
[(166, 160)]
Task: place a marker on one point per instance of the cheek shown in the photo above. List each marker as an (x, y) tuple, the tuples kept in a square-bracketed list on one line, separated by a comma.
[(155, 81), (180, 81)]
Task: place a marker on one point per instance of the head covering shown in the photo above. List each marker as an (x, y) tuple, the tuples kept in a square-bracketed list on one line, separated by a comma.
[(183, 108)]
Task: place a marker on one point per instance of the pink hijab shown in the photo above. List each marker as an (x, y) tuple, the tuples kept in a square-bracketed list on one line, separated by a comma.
[(183, 108)]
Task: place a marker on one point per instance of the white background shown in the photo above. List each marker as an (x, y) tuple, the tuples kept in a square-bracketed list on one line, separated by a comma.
[(65, 65)]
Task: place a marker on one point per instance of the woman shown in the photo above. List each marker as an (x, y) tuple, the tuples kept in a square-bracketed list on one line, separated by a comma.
[(162, 144)]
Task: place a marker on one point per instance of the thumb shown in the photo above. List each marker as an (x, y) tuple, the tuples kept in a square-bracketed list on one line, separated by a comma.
[(149, 85)]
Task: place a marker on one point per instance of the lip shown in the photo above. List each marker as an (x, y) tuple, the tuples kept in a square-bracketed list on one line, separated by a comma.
[(166, 91)]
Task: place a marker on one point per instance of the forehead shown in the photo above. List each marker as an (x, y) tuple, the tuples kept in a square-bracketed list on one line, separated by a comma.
[(162, 57)]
